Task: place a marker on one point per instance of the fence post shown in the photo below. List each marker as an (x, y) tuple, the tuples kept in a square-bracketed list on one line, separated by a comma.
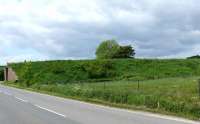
[(138, 85), (199, 87)]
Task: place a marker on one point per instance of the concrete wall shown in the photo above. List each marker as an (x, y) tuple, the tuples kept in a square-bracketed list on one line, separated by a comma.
[(9, 74)]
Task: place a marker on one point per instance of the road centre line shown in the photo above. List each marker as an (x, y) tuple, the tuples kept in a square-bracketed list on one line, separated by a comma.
[(148, 114), (21, 99), (50, 111)]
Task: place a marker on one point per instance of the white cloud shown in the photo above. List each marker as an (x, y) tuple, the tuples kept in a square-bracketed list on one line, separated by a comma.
[(57, 29)]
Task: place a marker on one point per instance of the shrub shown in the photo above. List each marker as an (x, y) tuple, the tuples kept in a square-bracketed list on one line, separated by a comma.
[(195, 110), (135, 99), (100, 69), (151, 101), (172, 106)]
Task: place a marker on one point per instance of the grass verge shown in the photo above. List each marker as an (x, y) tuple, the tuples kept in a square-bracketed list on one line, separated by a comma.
[(170, 96)]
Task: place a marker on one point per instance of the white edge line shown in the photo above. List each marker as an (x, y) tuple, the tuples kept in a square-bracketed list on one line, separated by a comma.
[(21, 99), (166, 117), (145, 114), (50, 111)]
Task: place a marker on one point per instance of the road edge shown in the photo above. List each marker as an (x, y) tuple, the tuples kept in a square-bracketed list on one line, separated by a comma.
[(104, 105)]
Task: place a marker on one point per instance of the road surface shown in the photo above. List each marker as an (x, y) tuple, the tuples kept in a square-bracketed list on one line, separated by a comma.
[(25, 107)]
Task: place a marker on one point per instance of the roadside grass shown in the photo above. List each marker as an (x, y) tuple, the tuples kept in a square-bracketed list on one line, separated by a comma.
[(173, 96)]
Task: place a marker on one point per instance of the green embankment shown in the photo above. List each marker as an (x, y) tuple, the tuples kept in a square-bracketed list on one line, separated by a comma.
[(166, 86), (92, 70)]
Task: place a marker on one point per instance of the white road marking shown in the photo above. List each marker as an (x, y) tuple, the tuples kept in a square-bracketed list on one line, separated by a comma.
[(110, 108), (21, 99), (50, 111), (148, 114)]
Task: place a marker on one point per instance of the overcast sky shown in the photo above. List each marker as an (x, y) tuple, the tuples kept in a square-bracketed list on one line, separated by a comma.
[(72, 29)]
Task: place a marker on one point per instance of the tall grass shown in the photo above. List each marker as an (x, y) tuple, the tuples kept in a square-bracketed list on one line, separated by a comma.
[(171, 95)]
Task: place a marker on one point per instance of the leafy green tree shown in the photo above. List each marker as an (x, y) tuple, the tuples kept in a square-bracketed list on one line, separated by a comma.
[(125, 52), (107, 49), (27, 74), (110, 49)]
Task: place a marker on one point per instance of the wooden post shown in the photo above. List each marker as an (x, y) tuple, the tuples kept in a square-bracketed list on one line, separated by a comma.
[(199, 87), (6, 74)]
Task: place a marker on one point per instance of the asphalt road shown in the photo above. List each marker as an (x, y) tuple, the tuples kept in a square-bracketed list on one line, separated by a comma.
[(25, 107)]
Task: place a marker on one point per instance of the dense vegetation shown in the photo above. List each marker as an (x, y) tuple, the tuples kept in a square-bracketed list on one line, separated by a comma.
[(97, 70), (1, 73), (194, 57)]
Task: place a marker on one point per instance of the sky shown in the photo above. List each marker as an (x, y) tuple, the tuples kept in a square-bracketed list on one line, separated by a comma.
[(72, 29)]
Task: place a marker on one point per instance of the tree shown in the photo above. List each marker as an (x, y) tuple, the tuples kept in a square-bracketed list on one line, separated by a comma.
[(110, 49), (125, 52), (27, 74), (194, 57), (107, 49)]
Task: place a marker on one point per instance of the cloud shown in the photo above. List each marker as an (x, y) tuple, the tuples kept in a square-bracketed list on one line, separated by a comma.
[(60, 29)]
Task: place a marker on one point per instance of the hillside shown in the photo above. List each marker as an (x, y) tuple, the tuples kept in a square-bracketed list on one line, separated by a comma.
[(49, 72)]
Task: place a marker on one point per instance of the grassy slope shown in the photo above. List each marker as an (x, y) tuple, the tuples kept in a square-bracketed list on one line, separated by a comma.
[(129, 69)]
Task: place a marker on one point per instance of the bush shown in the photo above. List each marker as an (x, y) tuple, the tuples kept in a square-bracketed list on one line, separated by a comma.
[(137, 100), (100, 69), (195, 110), (151, 101), (171, 106)]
